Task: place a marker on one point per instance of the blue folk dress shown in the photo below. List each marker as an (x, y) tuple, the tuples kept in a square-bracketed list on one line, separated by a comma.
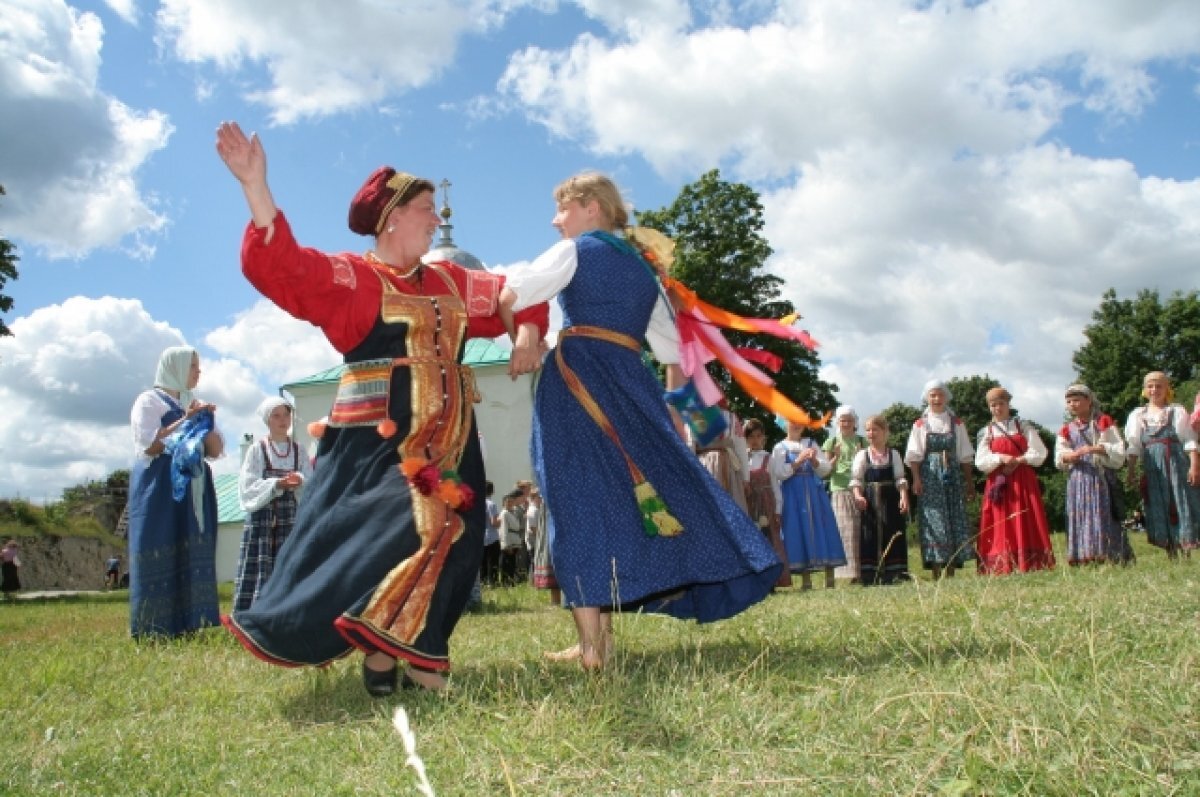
[(602, 554), (172, 552), (946, 537), (810, 531), (1172, 505)]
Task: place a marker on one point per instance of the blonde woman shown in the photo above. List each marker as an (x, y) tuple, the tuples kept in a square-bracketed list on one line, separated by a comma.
[(1160, 435), (605, 447), (881, 493)]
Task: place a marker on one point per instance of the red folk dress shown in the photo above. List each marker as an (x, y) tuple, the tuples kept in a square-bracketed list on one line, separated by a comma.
[(1013, 532)]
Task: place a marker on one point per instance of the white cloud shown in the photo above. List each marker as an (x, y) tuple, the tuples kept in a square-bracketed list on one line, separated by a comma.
[(76, 189), (68, 377), (125, 9), (321, 60), (274, 344), (917, 211)]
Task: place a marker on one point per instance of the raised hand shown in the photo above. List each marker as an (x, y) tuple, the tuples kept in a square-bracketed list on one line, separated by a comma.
[(243, 155)]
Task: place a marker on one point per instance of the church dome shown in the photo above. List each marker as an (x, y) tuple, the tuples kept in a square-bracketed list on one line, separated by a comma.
[(444, 247)]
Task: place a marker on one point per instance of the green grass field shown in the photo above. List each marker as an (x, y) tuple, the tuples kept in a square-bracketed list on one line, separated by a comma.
[(1071, 682)]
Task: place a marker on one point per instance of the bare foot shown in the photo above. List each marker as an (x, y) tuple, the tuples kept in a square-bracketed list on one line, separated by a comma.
[(591, 660), (433, 681), (570, 654)]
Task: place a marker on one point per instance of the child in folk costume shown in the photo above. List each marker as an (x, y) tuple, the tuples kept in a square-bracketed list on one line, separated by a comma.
[(763, 497), (810, 533), (940, 455), (880, 492), (1090, 449), (1013, 532), (841, 448), (1160, 434), (269, 488)]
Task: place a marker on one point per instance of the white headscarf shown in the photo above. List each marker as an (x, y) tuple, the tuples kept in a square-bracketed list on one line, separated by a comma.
[(845, 409), (935, 384), (174, 370), (269, 404)]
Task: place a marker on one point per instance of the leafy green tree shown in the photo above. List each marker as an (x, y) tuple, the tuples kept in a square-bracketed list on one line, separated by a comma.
[(1130, 337), (900, 418), (719, 253), (8, 271), (969, 401)]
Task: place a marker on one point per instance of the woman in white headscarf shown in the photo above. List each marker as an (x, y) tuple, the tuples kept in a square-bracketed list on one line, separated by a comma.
[(940, 454), (172, 542), (269, 489)]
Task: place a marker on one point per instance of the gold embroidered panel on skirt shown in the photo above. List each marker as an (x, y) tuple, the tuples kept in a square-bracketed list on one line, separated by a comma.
[(441, 420)]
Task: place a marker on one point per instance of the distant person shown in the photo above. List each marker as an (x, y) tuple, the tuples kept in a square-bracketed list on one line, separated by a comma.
[(940, 454), (1160, 435), (10, 568), (112, 572), (512, 538), (841, 447), (810, 532), (1090, 449), (726, 456), (542, 567), (763, 499), (881, 494), (269, 489), (173, 540), (489, 569), (1013, 533)]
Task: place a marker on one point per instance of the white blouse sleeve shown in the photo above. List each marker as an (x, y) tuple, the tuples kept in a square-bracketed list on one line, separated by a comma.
[(1114, 448), (1061, 446), (255, 492), (542, 279), (662, 335), (146, 419), (915, 451), (965, 452), (985, 460), (1133, 433), (1183, 427), (1036, 453), (779, 467), (898, 474), (858, 469)]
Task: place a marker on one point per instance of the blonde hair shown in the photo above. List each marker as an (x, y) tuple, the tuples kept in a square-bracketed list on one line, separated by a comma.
[(1158, 376), (593, 186), (877, 421), (998, 392)]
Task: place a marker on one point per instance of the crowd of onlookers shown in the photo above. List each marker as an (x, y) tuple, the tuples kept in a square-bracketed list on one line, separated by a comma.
[(842, 508)]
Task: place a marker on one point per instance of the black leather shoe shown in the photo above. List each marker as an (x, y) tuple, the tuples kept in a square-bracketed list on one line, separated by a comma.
[(379, 684)]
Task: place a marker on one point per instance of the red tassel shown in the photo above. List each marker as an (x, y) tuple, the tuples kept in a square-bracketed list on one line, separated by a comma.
[(316, 429)]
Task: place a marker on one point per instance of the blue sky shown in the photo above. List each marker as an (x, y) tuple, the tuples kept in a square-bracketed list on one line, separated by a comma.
[(949, 187)]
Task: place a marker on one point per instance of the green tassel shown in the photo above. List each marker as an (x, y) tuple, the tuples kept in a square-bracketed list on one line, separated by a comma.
[(656, 519)]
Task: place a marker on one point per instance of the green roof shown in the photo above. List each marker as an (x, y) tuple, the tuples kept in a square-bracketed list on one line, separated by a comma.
[(229, 510), (479, 351)]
